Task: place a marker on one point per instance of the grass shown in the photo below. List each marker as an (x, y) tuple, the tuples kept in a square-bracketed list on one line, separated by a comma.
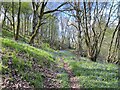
[(63, 77), (10, 35), (41, 55), (23, 64), (6, 34), (22, 67), (90, 74), (93, 74), (99, 74)]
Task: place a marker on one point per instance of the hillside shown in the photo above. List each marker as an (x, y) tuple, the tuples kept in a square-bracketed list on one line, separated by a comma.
[(58, 45), (29, 67)]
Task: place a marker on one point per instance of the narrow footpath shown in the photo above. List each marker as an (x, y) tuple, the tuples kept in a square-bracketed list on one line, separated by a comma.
[(73, 80)]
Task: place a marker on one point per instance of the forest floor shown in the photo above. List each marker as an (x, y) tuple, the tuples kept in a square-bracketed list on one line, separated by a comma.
[(24, 66), (73, 80)]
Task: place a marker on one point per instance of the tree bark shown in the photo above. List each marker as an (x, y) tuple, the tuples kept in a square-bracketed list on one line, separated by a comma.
[(18, 24), (13, 20), (42, 13)]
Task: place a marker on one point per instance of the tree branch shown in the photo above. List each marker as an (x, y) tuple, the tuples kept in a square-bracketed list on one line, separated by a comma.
[(51, 11)]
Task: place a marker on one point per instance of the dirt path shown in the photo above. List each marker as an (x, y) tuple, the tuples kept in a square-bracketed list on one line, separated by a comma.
[(73, 80)]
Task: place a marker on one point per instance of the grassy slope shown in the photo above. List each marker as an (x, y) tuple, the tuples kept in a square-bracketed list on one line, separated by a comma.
[(91, 74), (23, 57)]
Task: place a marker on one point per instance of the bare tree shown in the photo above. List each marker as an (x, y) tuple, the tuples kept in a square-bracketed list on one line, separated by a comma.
[(93, 38), (40, 13)]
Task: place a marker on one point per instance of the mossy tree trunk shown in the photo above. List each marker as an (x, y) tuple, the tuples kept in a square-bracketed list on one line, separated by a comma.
[(40, 14)]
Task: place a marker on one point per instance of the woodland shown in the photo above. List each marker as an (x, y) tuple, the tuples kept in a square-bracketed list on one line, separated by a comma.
[(66, 44)]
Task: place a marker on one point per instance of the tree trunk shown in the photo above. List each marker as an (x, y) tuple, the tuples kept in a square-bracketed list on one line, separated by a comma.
[(119, 34), (13, 24), (18, 24), (119, 43), (3, 22), (35, 33), (109, 51)]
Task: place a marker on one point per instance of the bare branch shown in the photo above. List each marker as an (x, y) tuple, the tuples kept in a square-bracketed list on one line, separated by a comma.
[(57, 9)]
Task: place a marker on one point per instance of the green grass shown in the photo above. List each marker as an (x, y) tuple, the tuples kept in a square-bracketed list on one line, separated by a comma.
[(46, 47), (10, 35), (23, 64), (23, 68), (90, 74), (93, 74), (41, 55), (7, 34), (100, 75), (63, 77)]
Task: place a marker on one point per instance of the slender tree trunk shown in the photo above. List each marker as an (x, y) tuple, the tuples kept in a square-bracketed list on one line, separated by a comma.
[(109, 51), (27, 30), (119, 35), (18, 24), (22, 25), (87, 36), (119, 43), (25, 25), (13, 20), (3, 22)]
